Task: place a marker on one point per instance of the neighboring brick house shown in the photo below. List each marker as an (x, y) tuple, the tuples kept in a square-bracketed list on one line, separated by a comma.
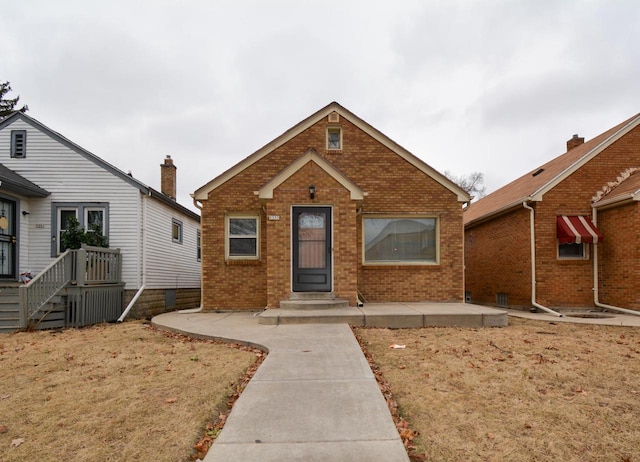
[(618, 214), (332, 206), (533, 243)]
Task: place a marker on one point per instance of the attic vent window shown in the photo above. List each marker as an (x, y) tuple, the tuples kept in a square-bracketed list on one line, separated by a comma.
[(334, 118), (537, 172), (19, 143), (334, 138)]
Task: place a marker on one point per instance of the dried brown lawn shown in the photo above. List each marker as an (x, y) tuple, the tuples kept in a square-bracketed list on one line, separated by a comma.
[(531, 391), (111, 393)]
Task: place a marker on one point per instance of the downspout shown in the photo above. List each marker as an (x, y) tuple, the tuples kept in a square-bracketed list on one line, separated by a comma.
[(596, 300), (143, 251), (533, 262), (199, 207)]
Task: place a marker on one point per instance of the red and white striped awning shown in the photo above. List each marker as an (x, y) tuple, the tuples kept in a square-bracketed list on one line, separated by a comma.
[(577, 229)]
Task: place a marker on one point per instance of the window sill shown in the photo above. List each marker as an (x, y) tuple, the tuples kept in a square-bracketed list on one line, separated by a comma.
[(255, 262), (399, 266)]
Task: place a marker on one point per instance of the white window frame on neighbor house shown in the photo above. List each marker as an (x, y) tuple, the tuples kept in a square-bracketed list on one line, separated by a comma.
[(176, 231), (228, 237), (584, 254), (330, 131), (81, 211), (368, 236), (199, 245)]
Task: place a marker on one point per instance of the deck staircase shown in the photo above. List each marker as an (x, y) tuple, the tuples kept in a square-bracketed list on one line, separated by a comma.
[(79, 288)]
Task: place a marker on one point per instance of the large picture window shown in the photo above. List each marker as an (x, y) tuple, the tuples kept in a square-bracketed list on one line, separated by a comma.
[(404, 240), (242, 237)]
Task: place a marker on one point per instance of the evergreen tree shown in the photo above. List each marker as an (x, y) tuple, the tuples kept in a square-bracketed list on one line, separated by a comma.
[(8, 106)]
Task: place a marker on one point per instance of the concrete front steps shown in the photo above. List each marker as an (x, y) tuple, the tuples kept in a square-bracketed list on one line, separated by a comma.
[(389, 315), (313, 301)]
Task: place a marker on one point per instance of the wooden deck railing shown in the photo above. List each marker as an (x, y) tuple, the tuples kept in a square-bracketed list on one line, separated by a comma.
[(91, 279), (46, 285)]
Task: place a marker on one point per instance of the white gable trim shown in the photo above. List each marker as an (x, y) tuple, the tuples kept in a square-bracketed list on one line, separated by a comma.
[(266, 192), (539, 193), (203, 192)]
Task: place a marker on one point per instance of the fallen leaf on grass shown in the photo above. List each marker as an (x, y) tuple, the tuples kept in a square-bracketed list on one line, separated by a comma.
[(491, 436), (171, 400), (17, 442), (3, 429), (397, 347), (7, 396), (402, 366)]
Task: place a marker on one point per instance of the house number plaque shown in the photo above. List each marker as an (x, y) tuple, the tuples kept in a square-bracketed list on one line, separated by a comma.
[(274, 217)]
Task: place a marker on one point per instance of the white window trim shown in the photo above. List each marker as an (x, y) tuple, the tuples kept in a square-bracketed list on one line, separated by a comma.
[(199, 245), (330, 129), (227, 237), (585, 253), (180, 238), (435, 262)]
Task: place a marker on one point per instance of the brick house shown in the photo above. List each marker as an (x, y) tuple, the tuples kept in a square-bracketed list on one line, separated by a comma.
[(330, 207), (618, 213), (535, 241)]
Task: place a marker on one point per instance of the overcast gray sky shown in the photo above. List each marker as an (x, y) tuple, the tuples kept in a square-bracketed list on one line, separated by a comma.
[(493, 86)]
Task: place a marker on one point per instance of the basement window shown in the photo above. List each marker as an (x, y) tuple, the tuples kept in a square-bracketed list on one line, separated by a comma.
[(573, 251), (19, 143), (334, 138)]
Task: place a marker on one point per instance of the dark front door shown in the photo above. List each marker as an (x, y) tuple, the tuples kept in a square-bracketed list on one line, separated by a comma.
[(312, 249), (8, 239)]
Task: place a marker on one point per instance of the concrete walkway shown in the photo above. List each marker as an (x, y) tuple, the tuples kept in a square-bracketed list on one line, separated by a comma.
[(314, 398)]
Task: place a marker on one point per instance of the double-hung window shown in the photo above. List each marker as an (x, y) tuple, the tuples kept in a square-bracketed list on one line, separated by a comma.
[(242, 237), (91, 216), (407, 240)]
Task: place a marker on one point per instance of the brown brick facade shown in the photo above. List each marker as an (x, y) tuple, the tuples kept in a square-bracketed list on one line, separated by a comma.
[(156, 301), (392, 186), (497, 253), (619, 256)]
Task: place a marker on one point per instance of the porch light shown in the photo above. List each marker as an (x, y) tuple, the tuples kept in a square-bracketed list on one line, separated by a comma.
[(312, 192)]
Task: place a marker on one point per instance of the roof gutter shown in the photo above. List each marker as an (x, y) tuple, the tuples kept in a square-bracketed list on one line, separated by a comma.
[(533, 262), (596, 301)]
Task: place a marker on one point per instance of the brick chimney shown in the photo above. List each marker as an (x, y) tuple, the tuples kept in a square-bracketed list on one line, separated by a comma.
[(574, 142), (168, 178)]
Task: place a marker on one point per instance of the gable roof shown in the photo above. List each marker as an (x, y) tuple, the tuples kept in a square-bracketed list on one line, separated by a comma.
[(535, 184), (11, 181), (266, 192), (203, 192), (625, 191), (144, 189)]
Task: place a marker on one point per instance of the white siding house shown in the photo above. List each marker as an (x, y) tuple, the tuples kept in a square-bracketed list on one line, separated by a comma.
[(45, 179)]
